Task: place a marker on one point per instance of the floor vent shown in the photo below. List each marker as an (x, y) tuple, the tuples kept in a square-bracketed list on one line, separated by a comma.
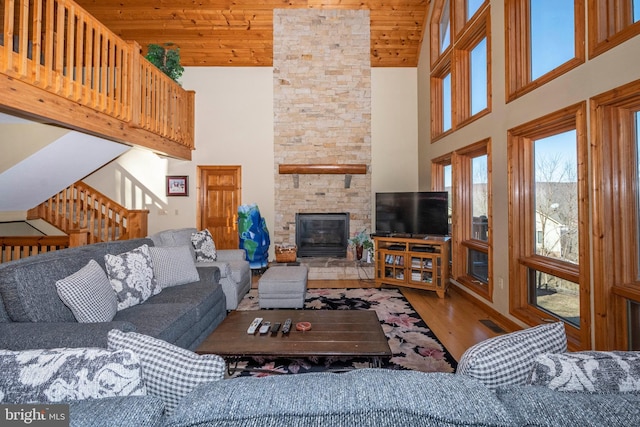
[(491, 325)]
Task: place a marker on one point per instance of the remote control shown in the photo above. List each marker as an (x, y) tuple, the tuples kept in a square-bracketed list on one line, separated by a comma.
[(274, 328), (286, 327), (265, 327), (254, 325)]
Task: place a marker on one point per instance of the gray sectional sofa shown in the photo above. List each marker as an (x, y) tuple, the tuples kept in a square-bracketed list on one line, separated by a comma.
[(33, 316), (235, 271), (490, 388), (361, 398)]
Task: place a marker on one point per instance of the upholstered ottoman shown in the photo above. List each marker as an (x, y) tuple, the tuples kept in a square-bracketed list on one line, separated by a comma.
[(283, 287)]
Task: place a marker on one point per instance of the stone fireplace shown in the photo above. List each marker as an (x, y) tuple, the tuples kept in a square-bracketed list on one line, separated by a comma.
[(322, 117)]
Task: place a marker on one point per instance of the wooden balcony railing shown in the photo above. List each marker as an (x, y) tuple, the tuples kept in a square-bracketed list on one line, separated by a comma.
[(80, 208), (57, 46), (16, 247)]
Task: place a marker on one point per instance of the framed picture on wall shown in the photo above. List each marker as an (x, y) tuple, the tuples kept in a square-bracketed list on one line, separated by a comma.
[(177, 185)]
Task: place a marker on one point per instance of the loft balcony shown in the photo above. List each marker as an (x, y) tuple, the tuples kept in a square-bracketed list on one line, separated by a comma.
[(60, 65)]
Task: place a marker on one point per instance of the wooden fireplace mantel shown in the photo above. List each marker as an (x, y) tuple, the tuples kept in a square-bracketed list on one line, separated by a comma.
[(346, 170), (352, 169)]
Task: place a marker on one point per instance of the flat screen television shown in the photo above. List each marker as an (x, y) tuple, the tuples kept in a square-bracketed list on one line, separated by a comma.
[(412, 213)]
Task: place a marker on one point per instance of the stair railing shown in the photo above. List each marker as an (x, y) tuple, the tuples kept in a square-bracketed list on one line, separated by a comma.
[(81, 207)]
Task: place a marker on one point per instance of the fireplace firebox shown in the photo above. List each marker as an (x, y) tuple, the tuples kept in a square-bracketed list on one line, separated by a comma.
[(322, 234)]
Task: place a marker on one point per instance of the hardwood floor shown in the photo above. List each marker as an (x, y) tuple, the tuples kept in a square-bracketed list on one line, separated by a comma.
[(455, 319)]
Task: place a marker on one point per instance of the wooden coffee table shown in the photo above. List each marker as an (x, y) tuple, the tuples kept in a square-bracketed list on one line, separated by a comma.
[(334, 333)]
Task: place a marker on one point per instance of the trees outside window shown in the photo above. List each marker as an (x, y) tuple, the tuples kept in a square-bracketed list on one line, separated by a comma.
[(548, 198)]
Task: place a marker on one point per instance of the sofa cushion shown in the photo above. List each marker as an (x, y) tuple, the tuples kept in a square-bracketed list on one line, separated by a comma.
[(542, 407), (170, 372), (173, 265), (89, 294), (200, 296), (63, 374), (167, 321), (204, 245), (508, 359), (131, 276), (138, 411), (362, 397), (589, 371)]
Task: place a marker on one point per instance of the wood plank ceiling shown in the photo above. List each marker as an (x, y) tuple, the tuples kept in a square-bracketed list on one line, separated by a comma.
[(240, 32)]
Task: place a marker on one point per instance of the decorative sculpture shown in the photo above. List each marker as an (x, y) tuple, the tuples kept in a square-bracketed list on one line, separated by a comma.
[(254, 235)]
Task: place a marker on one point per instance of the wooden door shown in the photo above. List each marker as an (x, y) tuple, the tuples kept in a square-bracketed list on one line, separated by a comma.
[(219, 195)]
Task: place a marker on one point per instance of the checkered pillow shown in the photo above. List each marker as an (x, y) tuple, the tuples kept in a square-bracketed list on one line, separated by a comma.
[(131, 276), (169, 372), (89, 294), (173, 265), (509, 359), (204, 246)]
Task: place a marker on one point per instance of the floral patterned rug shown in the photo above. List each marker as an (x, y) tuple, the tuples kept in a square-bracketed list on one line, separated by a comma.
[(412, 343)]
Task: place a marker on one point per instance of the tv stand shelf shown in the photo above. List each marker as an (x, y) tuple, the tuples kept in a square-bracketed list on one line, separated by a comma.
[(420, 263)]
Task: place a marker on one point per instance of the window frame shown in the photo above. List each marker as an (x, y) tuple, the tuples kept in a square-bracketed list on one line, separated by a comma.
[(437, 93), (522, 236), (610, 24), (455, 59), (462, 237), (615, 253), (517, 49), (462, 61), (462, 210)]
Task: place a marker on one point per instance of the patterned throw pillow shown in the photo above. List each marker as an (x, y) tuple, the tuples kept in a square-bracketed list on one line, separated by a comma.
[(589, 371), (508, 359), (131, 276), (64, 374), (203, 244), (173, 265), (89, 294), (169, 372)]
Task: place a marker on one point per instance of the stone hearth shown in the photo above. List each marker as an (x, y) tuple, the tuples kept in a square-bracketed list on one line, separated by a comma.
[(337, 269)]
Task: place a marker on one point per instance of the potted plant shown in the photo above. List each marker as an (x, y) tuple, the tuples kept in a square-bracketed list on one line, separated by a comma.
[(361, 241), (167, 59)]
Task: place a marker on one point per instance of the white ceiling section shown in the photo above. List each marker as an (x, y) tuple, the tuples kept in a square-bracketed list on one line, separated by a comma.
[(53, 168)]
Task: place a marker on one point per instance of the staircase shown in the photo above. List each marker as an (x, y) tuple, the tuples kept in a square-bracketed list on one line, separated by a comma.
[(85, 215)]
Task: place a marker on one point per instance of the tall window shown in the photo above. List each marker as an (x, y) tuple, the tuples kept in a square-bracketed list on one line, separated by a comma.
[(612, 22), (446, 102), (445, 27), (460, 73), (549, 201), (616, 217), (545, 39), (472, 7), (556, 223), (552, 35), (479, 78), (468, 170), (472, 230)]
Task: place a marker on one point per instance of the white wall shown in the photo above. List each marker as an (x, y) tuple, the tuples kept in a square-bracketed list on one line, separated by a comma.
[(234, 126), (394, 129)]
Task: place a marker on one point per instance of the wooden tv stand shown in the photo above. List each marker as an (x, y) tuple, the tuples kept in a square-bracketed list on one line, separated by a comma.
[(420, 263)]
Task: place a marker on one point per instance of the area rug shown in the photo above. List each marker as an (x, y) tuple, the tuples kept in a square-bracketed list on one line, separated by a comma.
[(413, 344)]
